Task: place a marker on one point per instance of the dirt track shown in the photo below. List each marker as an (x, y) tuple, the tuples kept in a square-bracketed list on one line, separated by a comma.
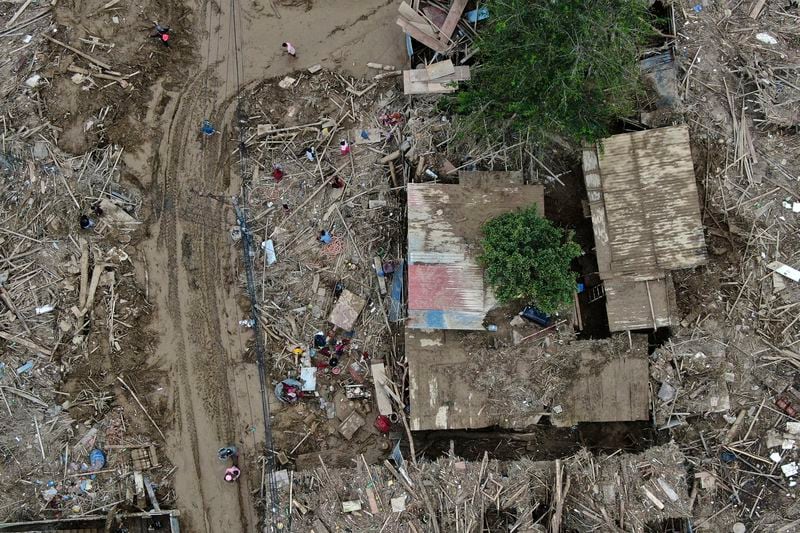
[(190, 260)]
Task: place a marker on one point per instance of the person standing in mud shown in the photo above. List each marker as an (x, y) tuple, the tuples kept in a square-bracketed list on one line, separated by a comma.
[(162, 33)]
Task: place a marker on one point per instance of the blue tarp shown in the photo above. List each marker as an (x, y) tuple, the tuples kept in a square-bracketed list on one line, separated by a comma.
[(477, 14), (396, 302)]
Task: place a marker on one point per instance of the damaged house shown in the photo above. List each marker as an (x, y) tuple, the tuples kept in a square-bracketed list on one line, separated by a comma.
[(646, 218), (447, 295)]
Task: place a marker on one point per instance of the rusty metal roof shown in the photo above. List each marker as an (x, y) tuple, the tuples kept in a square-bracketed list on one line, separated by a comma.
[(446, 289)]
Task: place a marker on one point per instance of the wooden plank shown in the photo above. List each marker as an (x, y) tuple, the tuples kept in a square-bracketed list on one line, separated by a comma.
[(410, 13), (414, 18), (18, 13), (97, 62), (26, 343), (381, 396), (424, 27), (415, 87), (440, 69), (427, 40), (377, 264), (421, 75), (757, 7), (450, 23)]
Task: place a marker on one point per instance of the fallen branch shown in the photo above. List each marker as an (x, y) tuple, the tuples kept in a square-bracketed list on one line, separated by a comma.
[(97, 62), (119, 378)]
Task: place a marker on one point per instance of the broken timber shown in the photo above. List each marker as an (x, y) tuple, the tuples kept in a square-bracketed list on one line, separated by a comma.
[(421, 29), (419, 81)]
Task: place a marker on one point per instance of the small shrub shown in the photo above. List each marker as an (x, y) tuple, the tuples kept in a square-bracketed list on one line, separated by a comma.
[(526, 256)]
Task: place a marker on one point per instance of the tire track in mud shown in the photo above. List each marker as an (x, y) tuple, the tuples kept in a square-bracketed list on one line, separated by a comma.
[(192, 226), (168, 242)]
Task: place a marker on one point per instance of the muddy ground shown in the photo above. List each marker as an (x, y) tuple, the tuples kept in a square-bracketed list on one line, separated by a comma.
[(186, 263), (185, 357)]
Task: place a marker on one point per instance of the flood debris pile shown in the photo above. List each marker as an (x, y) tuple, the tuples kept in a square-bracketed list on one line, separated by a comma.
[(324, 209), (691, 377), (69, 305), (520, 380), (725, 383), (68, 308), (730, 403), (740, 94), (580, 493)]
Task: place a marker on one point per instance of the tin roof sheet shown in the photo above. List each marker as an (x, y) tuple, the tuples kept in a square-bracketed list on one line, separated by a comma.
[(445, 282)]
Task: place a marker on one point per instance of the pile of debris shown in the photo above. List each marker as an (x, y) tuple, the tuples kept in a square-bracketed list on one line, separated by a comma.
[(739, 94), (434, 27), (520, 380), (73, 438), (581, 493), (323, 203)]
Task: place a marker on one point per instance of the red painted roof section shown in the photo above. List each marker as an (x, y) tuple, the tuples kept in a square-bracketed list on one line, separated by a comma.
[(446, 287)]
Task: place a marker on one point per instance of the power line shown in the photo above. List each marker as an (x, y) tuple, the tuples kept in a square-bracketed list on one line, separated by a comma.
[(248, 252)]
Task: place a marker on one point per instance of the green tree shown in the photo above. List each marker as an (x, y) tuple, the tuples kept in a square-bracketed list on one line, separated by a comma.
[(568, 67), (526, 256)]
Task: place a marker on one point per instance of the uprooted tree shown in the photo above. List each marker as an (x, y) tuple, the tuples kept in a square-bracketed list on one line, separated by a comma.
[(526, 256), (566, 67)]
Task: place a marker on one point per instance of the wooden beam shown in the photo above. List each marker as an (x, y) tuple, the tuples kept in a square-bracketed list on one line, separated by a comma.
[(422, 75), (87, 57), (450, 23), (26, 343), (424, 87), (427, 40), (440, 69), (757, 7)]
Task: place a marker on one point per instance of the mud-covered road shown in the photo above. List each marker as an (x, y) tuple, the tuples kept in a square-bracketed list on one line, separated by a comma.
[(191, 263)]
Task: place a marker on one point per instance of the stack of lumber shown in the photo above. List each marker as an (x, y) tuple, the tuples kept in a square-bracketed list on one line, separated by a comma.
[(436, 78)]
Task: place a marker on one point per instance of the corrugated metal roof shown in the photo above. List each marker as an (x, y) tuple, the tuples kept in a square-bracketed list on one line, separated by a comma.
[(445, 282), (456, 287)]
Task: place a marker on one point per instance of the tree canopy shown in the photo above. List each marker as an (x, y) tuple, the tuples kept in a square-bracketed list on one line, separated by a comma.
[(567, 67), (526, 256)]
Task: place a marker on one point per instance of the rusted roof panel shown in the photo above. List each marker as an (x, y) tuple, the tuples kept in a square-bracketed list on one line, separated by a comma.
[(446, 287), (445, 282)]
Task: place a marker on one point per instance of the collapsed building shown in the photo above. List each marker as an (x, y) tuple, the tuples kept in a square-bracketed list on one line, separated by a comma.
[(462, 377), (641, 492)]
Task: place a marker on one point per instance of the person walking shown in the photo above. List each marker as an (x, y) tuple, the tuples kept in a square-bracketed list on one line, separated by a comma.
[(86, 222), (232, 473), (287, 46), (228, 452), (277, 172), (344, 147), (162, 33)]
